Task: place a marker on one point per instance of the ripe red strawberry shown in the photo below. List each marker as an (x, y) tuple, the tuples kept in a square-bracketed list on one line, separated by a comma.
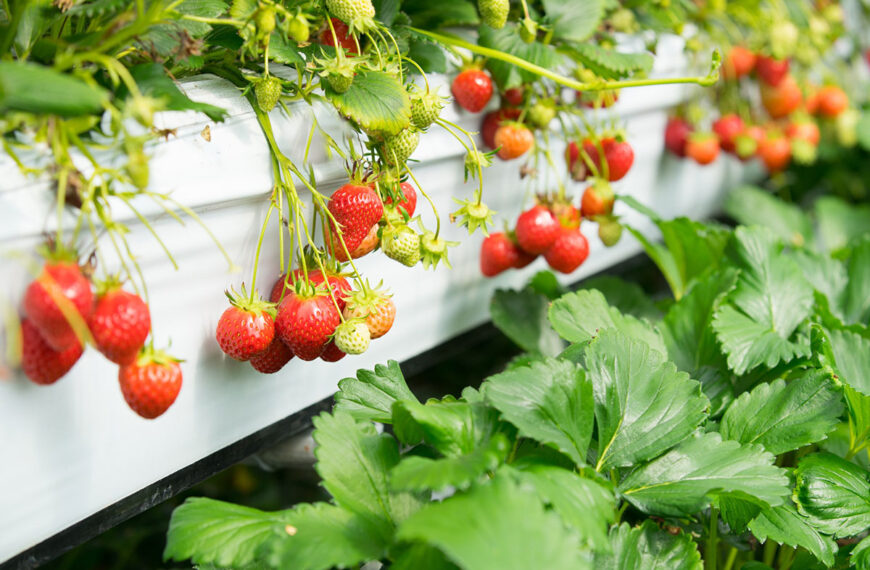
[(40, 362), (472, 89), (514, 96), (332, 353), (782, 100), (524, 258), (775, 152), (703, 148), (811, 101), (305, 323), (375, 307), (597, 200), (537, 229), (739, 62), (677, 134), (567, 214), (726, 128), (273, 358), (337, 283), (365, 247), (805, 130), (746, 143), (568, 252), (771, 71), (832, 101), (356, 208), (514, 140), (345, 39), (409, 202), (119, 324), (618, 155), (498, 253), (246, 328), (492, 121), (151, 383), (63, 282)]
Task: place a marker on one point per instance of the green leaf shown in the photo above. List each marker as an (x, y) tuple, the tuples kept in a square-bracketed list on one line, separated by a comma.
[(856, 301), (785, 416), (422, 557), (609, 63), (152, 80), (580, 316), (522, 317), (738, 509), (416, 473), (321, 536), (848, 354), (430, 16), (573, 21), (861, 553), (450, 426), (765, 308), (840, 222), (282, 51), (370, 396), (834, 493), (649, 548), (681, 481), (376, 101), (507, 40), (827, 276), (752, 206), (546, 283), (550, 401), (626, 296), (209, 531), (242, 9), (784, 525), (862, 129), (526, 534), (428, 55), (36, 89), (643, 404), (585, 505)]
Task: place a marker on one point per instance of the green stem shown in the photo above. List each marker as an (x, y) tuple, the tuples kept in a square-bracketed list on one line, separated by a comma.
[(259, 246), (711, 552), (769, 552), (732, 556), (214, 21)]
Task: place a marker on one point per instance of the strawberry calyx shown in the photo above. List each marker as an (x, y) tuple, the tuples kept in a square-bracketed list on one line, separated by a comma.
[(434, 249), (472, 215), (150, 355), (107, 285), (56, 252), (250, 303)]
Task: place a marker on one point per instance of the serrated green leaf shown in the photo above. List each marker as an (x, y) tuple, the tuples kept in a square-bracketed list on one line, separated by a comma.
[(834, 493), (681, 481), (840, 222), (546, 284), (856, 299), (208, 531), (152, 80), (99, 8), (422, 557), (450, 426), (527, 535), (752, 206), (827, 276), (848, 354), (573, 21), (580, 316), (626, 296), (376, 101), (766, 306), (643, 404), (609, 63), (428, 55), (550, 401), (785, 416), (522, 317), (648, 547), (430, 16), (36, 89), (784, 525), (507, 40), (738, 509), (242, 9), (860, 556), (370, 396), (282, 51)]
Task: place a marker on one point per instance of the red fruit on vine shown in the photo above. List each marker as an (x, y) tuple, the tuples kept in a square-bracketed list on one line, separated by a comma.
[(273, 358), (492, 121), (782, 100), (356, 209), (804, 130), (246, 328), (726, 128), (305, 323), (832, 101), (375, 307), (524, 258), (342, 33), (746, 143), (568, 215), (771, 71), (811, 101), (775, 152), (40, 362), (368, 245), (703, 148), (739, 63), (568, 252), (332, 353), (498, 253), (618, 155), (151, 383), (336, 283), (513, 140), (409, 200), (60, 282), (537, 229), (597, 200), (513, 96), (120, 323), (677, 134), (472, 89)]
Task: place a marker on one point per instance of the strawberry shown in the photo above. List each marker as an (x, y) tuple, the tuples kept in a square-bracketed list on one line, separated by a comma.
[(366, 246), (598, 99), (739, 63), (494, 13), (597, 200), (120, 323), (542, 113), (246, 328), (332, 353), (409, 200), (568, 215), (151, 383), (618, 154), (297, 29), (514, 140), (784, 37), (267, 91), (402, 244), (746, 143), (40, 362), (336, 283), (677, 134), (342, 34), (568, 252), (60, 283), (425, 109), (273, 358), (356, 209), (492, 121), (805, 130), (775, 152), (771, 71), (832, 101), (497, 254), (399, 148), (609, 230), (472, 89), (514, 96), (352, 337), (359, 14), (375, 307), (703, 148), (811, 101), (537, 229), (782, 100), (524, 258), (726, 128), (305, 322)]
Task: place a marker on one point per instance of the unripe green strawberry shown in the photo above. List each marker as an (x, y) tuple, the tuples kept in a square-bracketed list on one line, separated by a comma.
[(542, 113), (623, 21), (425, 109), (358, 14), (268, 91), (846, 125), (352, 337), (803, 151), (402, 244), (783, 39), (339, 83), (264, 19), (494, 13), (399, 148), (297, 28), (609, 230), (528, 30)]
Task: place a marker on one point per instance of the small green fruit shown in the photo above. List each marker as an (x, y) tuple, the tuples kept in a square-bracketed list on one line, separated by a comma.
[(494, 13), (397, 149), (542, 113), (402, 244), (352, 337), (268, 91), (425, 109), (297, 28)]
